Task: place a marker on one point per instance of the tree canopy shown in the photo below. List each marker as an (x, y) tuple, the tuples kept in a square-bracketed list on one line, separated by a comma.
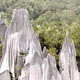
[(50, 20)]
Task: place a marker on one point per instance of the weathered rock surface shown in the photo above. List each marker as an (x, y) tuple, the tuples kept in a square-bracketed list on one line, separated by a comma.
[(11, 52), (5, 76), (35, 68), (49, 69), (32, 69), (19, 65), (44, 53), (68, 64), (37, 65), (21, 24), (18, 38)]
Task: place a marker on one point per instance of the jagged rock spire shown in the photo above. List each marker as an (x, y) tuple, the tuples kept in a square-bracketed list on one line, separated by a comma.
[(21, 24), (19, 37), (68, 64), (44, 53), (49, 69), (32, 68)]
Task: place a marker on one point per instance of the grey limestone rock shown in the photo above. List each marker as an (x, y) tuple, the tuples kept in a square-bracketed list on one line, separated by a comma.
[(68, 64), (49, 69), (19, 36), (44, 53), (11, 52), (32, 68), (5, 76)]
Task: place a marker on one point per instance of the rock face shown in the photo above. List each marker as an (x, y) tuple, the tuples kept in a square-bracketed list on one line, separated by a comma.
[(19, 65), (33, 61), (32, 68), (49, 69), (35, 68), (11, 52), (74, 69), (44, 53), (18, 38), (5, 76), (68, 64), (21, 24), (37, 64)]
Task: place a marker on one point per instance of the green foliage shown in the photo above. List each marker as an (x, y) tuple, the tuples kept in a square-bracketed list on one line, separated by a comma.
[(22, 53), (50, 20), (0, 49)]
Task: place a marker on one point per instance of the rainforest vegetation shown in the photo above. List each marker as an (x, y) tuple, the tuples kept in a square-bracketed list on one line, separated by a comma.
[(51, 19)]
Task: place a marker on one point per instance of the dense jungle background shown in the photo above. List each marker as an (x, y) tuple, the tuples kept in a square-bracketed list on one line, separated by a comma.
[(50, 20)]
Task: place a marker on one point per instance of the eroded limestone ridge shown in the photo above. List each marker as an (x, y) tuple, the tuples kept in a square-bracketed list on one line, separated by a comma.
[(68, 64), (23, 58), (18, 39)]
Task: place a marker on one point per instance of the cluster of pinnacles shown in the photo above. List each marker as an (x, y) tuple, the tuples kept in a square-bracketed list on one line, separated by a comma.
[(35, 64)]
